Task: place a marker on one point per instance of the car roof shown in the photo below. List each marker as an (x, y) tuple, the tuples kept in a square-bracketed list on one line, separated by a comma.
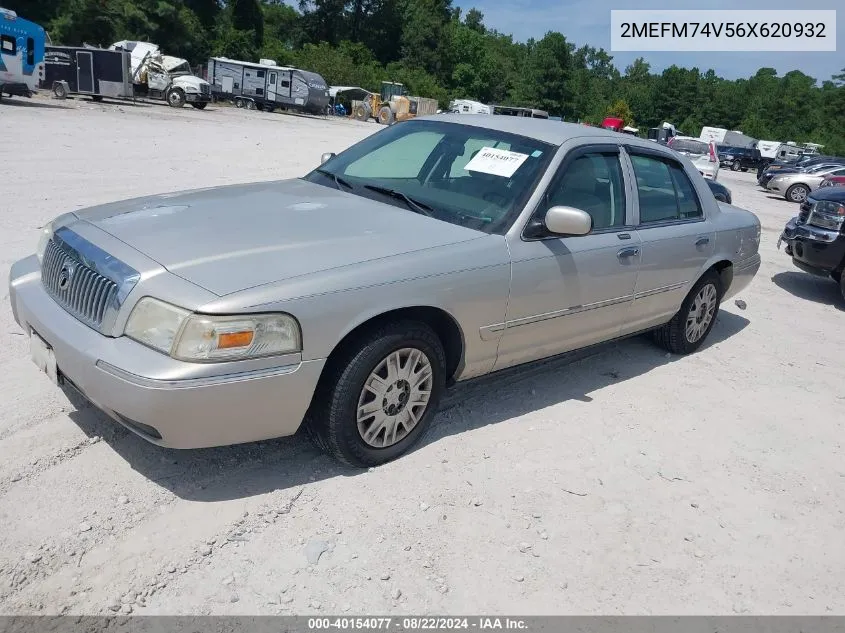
[(545, 130)]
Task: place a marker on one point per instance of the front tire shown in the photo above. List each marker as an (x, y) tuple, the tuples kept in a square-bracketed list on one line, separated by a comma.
[(797, 193), (175, 98), (200, 105), (735, 166), (378, 399), (689, 328)]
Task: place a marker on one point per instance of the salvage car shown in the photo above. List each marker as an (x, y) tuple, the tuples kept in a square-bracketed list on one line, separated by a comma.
[(347, 300), (703, 155), (815, 238), (797, 186)]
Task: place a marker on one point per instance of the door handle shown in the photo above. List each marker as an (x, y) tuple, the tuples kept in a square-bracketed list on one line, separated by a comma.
[(701, 241), (628, 252)]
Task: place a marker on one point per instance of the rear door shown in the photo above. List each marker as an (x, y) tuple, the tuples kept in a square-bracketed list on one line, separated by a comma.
[(677, 239)]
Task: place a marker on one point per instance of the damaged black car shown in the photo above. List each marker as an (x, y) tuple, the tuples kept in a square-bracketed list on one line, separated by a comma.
[(815, 238)]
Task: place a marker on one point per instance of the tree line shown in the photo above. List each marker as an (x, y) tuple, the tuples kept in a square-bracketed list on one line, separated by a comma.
[(438, 51)]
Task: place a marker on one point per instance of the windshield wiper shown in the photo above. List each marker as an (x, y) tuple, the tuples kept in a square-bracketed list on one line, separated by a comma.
[(337, 179), (414, 205)]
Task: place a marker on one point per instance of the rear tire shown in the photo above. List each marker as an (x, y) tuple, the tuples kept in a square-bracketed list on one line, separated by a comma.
[(395, 400), (689, 328), (361, 112), (200, 105), (59, 90), (735, 166)]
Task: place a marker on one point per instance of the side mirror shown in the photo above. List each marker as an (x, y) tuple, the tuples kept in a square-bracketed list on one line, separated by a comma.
[(326, 157), (568, 221)]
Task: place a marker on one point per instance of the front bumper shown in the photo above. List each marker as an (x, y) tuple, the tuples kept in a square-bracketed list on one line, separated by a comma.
[(198, 97), (813, 250), (113, 374)]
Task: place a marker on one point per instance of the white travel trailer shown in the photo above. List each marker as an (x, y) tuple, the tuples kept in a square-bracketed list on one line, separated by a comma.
[(468, 106), (266, 86), (768, 149), (715, 134)]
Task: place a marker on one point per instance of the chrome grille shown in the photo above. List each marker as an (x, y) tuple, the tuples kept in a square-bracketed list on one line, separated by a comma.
[(78, 289), (87, 282)]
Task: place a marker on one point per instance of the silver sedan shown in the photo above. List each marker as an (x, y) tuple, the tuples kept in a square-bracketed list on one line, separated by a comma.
[(436, 250), (796, 186)]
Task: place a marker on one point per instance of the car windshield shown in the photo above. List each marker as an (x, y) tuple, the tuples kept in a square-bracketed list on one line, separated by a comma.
[(463, 174), (689, 146)]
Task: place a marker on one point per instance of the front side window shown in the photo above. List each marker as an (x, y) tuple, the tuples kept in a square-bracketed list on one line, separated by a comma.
[(30, 51), (664, 190), (593, 183), (462, 174)]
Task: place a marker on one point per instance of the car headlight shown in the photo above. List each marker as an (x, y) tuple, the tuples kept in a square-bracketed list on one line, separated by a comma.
[(44, 238), (206, 338), (826, 214)]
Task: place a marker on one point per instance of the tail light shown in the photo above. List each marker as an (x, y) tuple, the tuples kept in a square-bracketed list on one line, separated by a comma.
[(713, 158)]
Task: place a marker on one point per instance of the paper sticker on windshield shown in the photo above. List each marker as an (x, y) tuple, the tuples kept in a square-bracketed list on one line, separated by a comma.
[(498, 162)]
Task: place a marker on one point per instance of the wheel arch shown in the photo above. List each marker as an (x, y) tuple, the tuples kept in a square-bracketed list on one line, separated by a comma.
[(722, 267), (442, 322)]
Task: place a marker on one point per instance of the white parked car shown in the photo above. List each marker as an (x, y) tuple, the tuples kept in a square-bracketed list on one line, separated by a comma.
[(702, 154)]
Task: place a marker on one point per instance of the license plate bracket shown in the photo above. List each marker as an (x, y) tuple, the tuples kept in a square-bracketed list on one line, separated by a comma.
[(43, 356)]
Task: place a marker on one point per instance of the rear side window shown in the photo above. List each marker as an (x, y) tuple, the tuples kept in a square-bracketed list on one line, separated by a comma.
[(30, 51), (664, 190), (8, 44)]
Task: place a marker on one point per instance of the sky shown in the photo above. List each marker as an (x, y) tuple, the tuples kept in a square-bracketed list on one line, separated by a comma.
[(588, 22)]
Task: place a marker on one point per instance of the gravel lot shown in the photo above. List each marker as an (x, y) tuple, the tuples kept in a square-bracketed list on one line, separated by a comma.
[(627, 482)]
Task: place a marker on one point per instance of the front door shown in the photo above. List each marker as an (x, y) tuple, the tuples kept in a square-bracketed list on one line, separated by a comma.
[(571, 291), (272, 85), (84, 71), (676, 238)]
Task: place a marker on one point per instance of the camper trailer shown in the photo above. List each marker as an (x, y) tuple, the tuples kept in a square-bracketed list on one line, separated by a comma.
[(468, 106), (21, 55), (86, 70), (266, 86), (533, 113)]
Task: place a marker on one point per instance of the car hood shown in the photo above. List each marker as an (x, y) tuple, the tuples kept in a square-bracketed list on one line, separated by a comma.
[(231, 238), (833, 194)]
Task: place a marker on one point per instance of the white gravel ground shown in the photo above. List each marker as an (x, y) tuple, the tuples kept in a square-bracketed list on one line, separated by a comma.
[(628, 482)]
